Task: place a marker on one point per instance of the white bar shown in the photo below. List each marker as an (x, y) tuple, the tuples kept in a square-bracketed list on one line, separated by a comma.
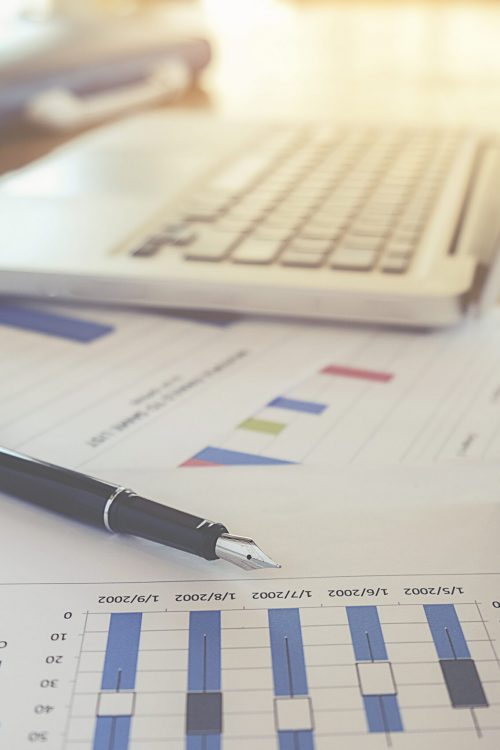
[(376, 678), (115, 704), (293, 714)]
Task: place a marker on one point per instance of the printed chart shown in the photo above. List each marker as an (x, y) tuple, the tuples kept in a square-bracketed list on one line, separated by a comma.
[(179, 392), (283, 650), (389, 397), (299, 664), (289, 425)]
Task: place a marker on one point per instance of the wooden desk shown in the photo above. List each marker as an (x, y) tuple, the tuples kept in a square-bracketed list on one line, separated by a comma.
[(388, 61)]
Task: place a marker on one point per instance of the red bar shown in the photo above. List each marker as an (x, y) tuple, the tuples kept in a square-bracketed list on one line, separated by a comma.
[(197, 462), (353, 372)]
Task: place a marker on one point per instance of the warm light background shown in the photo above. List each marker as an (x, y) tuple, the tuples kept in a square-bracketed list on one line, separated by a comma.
[(391, 61)]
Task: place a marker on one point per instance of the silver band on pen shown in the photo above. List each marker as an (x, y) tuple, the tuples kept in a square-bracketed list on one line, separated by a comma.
[(109, 502)]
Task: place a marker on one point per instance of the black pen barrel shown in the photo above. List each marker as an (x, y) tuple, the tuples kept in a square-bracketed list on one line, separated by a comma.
[(132, 514), (61, 490), (106, 505)]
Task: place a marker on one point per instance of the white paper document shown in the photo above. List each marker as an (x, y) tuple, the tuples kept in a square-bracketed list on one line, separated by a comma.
[(380, 630), (100, 389)]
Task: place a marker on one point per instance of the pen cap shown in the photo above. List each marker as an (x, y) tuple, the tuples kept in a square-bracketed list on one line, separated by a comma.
[(136, 515)]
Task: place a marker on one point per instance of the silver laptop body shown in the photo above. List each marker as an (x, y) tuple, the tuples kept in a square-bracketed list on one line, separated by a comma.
[(394, 225)]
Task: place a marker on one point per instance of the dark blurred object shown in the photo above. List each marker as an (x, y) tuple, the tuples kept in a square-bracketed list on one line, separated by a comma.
[(77, 74)]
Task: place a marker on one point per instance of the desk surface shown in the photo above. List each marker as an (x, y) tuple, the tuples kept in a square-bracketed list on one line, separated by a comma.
[(371, 60)]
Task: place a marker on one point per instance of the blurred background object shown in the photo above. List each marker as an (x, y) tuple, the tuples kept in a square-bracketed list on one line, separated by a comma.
[(47, 8), (78, 70), (398, 61)]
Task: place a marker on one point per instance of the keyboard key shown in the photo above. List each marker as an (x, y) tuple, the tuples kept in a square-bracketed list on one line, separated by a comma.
[(264, 232), (202, 214), (303, 260), (336, 208), (254, 250), (252, 204), (178, 234), (232, 225), (393, 264), (399, 248), (206, 199), (362, 241), (147, 248), (371, 228), (314, 246), (312, 231), (211, 245), (324, 215), (199, 210), (258, 198), (331, 223), (408, 224), (244, 214), (353, 259), (405, 235), (291, 213), (281, 222)]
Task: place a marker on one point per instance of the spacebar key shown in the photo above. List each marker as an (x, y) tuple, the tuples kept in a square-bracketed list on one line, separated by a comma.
[(211, 245), (254, 250)]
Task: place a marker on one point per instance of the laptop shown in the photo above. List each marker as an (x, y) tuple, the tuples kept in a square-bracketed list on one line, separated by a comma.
[(323, 220)]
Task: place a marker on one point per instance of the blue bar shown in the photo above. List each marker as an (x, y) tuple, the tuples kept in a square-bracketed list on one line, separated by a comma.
[(204, 663), (382, 713), (222, 457), (296, 740), (112, 733), (447, 632), (52, 324), (366, 634), (306, 407), (203, 742), (122, 651), (287, 652)]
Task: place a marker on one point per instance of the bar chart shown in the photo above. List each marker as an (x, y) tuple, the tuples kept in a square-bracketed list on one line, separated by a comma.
[(459, 669), (292, 707), (288, 677), (204, 696), (243, 393), (115, 706), (374, 670), (288, 427)]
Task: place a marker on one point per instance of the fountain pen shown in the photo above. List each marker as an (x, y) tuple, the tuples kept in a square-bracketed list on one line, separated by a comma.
[(121, 510)]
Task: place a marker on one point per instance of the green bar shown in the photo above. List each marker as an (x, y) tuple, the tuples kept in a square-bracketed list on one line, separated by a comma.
[(262, 425)]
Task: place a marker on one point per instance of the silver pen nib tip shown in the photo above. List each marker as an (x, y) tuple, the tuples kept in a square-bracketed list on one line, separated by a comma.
[(243, 552)]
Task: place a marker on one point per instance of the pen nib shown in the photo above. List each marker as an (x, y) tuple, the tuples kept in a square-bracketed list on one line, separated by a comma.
[(243, 552)]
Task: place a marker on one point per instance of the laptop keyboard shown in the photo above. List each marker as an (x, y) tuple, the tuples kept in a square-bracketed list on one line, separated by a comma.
[(352, 202)]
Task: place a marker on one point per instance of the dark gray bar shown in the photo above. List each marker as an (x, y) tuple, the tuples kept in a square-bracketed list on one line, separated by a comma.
[(463, 683), (204, 713)]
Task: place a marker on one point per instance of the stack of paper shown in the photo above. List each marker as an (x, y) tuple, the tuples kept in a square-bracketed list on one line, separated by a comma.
[(364, 460)]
